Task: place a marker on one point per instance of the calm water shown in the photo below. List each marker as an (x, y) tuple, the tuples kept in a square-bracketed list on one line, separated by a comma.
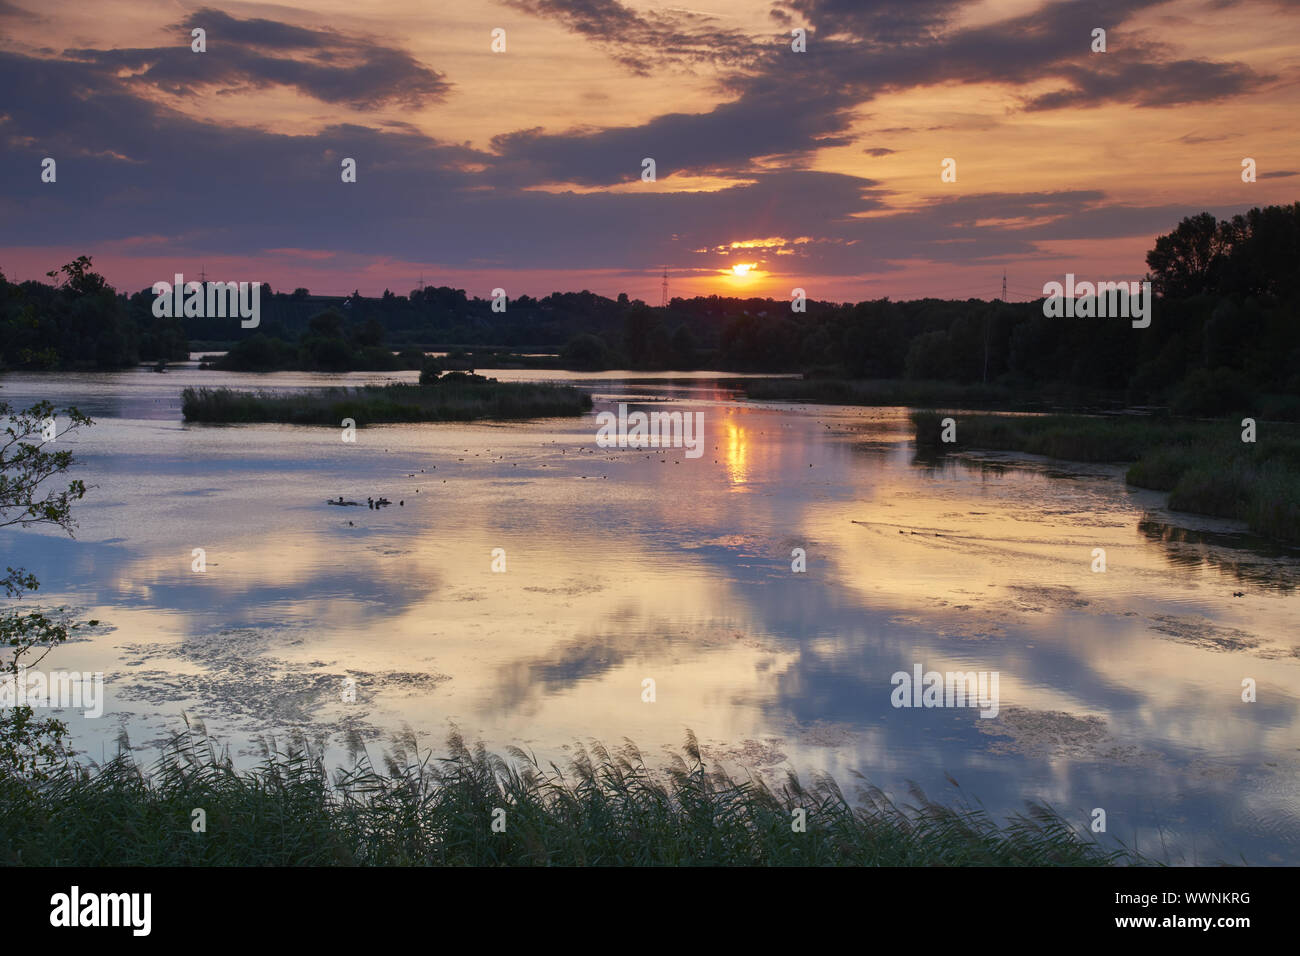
[(1119, 690)]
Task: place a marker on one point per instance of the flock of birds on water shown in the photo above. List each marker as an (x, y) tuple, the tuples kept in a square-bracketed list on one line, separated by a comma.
[(374, 503)]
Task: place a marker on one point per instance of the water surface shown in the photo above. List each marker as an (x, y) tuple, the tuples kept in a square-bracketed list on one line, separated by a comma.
[(1118, 690)]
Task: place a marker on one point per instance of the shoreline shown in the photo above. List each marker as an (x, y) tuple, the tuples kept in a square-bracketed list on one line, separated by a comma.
[(1214, 468)]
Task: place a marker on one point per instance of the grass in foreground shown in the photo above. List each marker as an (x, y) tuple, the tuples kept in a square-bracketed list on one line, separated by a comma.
[(606, 808), (1205, 466), (449, 400)]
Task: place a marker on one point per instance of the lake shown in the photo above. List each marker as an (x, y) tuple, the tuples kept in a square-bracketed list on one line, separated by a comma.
[(1118, 690)]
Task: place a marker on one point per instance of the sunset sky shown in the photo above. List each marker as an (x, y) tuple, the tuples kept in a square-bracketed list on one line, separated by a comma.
[(522, 169)]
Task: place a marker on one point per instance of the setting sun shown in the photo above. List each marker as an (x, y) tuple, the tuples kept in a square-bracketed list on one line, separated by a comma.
[(745, 275)]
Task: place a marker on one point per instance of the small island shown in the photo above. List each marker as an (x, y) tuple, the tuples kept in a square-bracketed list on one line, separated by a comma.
[(451, 397)]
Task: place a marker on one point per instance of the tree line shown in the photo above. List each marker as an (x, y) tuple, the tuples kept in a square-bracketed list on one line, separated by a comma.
[(1224, 328)]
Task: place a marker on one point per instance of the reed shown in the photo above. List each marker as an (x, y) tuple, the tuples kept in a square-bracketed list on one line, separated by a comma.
[(466, 399), (1204, 465), (606, 807)]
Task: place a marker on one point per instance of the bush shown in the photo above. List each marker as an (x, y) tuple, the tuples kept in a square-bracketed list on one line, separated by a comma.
[(1220, 392), (258, 353), (411, 357), (326, 354), (1212, 489), (584, 351), (1160, 468), (1274, 508), (430, 371)]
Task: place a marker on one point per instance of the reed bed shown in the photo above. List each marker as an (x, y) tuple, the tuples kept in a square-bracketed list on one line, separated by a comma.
[(1204, 465), (447, 400), (606, 807)]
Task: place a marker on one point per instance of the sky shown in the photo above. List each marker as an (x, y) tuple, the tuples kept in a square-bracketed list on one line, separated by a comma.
[(522, 168)]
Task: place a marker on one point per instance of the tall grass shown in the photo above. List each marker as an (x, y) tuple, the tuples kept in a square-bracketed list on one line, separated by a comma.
[(397, 402), (1204, 465), (607, 807)]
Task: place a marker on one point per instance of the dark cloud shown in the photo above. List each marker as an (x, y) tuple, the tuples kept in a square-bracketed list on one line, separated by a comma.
[(132, 168), (788, 105), (8, 9), (175, 186), (1150, 84), (256, 54), (127, 166), (725, 140), (646, 41), (876, 21), (1053, 43)]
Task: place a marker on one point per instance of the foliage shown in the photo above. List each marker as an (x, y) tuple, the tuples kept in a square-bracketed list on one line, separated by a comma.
[(606, 808), (28, 745), (1228, 296), (81, 322)]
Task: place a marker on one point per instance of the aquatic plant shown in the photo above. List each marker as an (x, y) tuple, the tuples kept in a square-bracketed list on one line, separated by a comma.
[(473, 807), (452, 398), (1204, 465)]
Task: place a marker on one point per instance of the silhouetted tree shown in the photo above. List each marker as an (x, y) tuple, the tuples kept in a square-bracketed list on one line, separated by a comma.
[(1187, 261)]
